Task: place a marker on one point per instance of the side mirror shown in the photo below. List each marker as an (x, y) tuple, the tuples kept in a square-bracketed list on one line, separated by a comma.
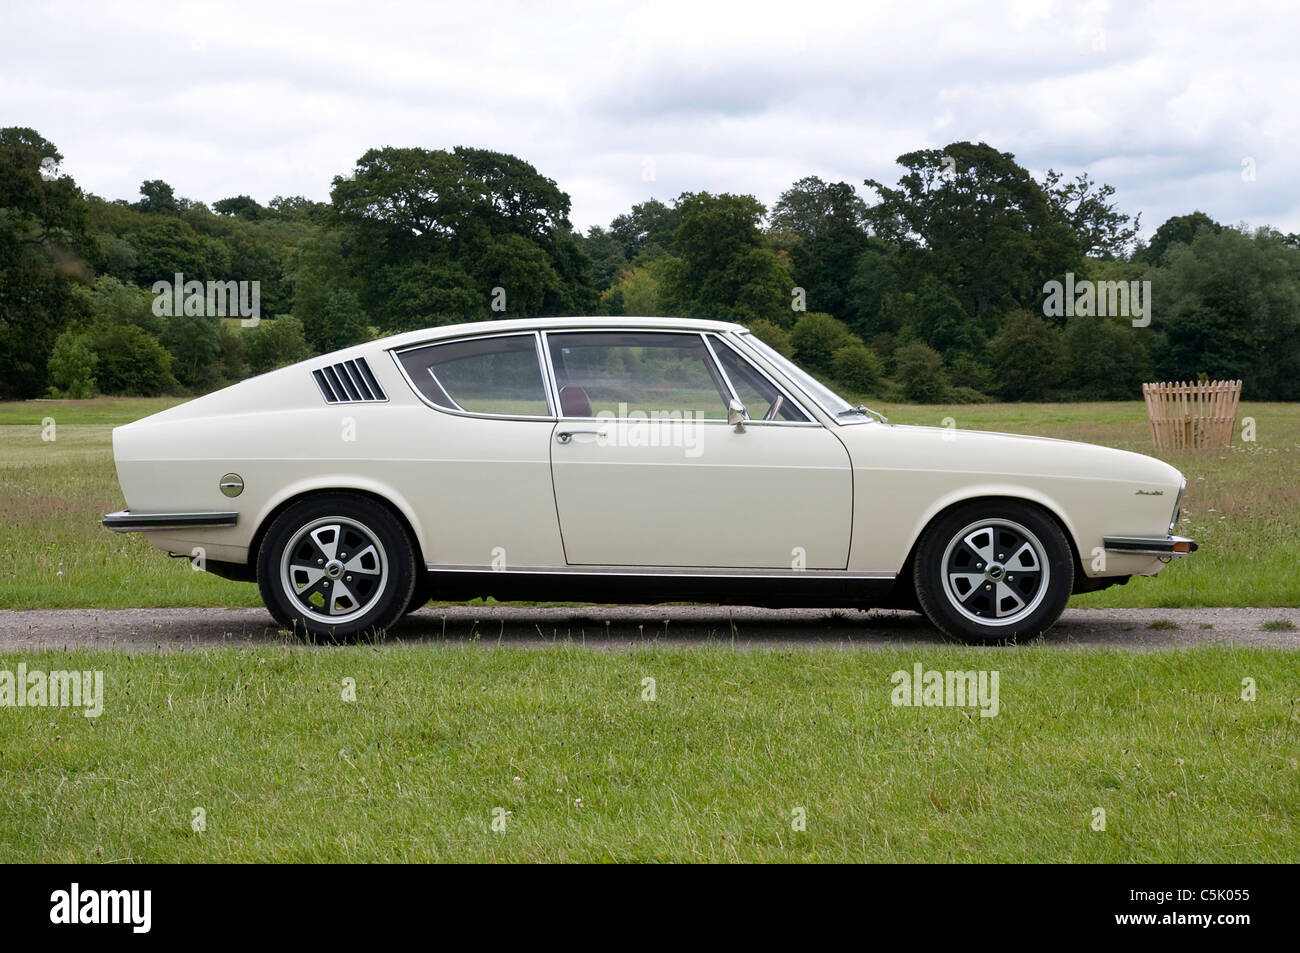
[(736, 415)]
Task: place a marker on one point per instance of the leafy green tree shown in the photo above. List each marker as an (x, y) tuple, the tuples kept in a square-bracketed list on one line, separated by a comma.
[(1177, 230), (774, 336), (422, 294), (1229, 306), (194, 343), (131, 362), (605, 251), (516, 198), (232, 361), (275, 343), (471, 220), (875, 280), (637, 292), (811, 207), (157, 198), (977, 221), (119, 256), (339, 322), (1106, 358), (858, 368), (721, 266), (240, 206), (919, 369), (165, 246), (44, 246), (323, 300), (934, 314), (296, 208), (647, 229), (828, 225), (72, 365), (120, 302), (1028, 357), (816, 337), (522, 270), (1102, 230)]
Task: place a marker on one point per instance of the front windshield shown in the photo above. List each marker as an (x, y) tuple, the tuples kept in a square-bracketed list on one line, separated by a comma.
[(831, 402)]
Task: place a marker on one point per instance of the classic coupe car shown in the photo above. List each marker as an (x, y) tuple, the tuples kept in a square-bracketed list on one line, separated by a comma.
[(624, 460)]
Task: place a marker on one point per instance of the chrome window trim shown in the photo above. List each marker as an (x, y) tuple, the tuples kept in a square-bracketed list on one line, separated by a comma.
[(396, 353), (546, 347)]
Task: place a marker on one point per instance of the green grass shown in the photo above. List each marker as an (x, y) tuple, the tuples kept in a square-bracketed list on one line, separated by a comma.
[(99, 410), (1242, 506), (1277, 625), (711, 770)]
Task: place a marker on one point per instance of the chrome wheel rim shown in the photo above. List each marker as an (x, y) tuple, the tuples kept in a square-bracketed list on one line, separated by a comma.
[(995, 572), (334, 570)]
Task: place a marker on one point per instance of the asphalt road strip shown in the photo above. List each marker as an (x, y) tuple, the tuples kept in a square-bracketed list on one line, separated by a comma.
[(631, 627)]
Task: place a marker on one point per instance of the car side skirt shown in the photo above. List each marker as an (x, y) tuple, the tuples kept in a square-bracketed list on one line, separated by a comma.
[(650, 585)]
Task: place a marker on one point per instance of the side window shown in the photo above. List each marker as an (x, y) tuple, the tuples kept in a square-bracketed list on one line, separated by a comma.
[(755, 391), (495, 375), (623, 373)]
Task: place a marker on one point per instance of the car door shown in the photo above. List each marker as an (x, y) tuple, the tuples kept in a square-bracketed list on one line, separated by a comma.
[(480, 477), (648, 472)]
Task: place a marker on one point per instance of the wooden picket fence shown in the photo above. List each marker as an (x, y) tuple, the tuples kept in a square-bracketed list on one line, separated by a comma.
[(1192, 416)]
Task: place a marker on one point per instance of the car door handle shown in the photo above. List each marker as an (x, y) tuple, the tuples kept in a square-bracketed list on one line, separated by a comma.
[(564, 436)]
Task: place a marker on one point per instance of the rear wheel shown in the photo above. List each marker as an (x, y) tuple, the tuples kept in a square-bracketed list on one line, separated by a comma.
[(335, 566), (994, 570)]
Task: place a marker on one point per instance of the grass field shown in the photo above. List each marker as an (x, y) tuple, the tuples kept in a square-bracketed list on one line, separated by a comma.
[(1242, 505), (713, 769)]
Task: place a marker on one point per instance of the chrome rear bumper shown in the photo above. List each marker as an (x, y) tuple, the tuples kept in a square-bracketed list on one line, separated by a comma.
[(124, 521), (1150, 545)]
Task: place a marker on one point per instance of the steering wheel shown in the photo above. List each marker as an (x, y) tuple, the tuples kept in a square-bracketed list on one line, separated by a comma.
[(775, 409)]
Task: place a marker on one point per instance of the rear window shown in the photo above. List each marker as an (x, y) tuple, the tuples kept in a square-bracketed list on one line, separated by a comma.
[(494, 375)]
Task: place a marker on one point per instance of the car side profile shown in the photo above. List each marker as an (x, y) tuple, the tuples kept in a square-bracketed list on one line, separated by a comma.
[(629, 460)]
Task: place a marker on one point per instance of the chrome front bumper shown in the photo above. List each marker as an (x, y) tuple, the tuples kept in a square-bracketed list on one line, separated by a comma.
[(124, 521), (1150, 545)]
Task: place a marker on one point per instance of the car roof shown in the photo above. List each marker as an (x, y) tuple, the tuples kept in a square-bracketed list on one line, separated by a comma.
[(425, 335)]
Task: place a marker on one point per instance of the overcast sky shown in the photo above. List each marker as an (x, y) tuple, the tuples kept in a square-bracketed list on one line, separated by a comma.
[(619, 102)]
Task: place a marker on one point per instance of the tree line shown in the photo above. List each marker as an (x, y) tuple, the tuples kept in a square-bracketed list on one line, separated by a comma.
[(935, 291)]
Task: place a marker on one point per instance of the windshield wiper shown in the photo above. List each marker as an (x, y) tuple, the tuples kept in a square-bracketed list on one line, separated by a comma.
[(864, 411)]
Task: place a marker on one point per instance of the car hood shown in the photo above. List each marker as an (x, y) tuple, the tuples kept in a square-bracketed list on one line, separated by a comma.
[(894, 446)]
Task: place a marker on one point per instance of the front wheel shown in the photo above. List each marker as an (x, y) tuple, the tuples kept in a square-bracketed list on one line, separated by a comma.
[(994, 571), (335, 566)]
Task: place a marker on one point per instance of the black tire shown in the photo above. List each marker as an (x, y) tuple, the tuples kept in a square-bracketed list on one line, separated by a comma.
[(313, 585), (422, 592), (993, 571)]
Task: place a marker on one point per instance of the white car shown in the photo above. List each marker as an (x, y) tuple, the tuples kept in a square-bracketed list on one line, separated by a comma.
[(624, 460)]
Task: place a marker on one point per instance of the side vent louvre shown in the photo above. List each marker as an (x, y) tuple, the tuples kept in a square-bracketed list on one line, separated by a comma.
[(348, 382)]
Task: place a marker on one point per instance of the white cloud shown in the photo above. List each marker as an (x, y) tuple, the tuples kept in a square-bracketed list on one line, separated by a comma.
[(1159, 100)]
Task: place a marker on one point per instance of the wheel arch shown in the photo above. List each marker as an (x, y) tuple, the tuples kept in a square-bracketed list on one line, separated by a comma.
[(943, 508), (400, 509)]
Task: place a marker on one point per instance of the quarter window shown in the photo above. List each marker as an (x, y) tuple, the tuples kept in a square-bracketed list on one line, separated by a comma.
[(755, 391), (493, 375)]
